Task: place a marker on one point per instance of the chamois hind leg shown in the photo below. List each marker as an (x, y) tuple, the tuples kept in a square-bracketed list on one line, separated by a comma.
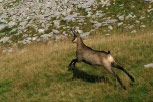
[(122, 69), (109, 68), (73, 62)]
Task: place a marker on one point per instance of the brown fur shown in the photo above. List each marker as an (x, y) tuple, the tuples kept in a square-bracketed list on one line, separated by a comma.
[(93, 57)]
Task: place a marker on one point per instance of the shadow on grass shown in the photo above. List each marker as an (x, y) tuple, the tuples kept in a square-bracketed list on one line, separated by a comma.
[(79, 74)]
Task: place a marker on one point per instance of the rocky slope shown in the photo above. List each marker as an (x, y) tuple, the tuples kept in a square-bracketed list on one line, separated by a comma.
[(25, 21)]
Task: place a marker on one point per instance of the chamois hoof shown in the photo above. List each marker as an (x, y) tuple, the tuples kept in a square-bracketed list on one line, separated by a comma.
[(70, 68), (132, 79), (124, 87)]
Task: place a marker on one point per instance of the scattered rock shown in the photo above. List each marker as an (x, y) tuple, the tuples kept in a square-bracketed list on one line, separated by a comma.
[(99, 14), (111, 21), (59, 37), (70, 17), (25, 41), (121, 17), (55, 32), (2, 26), (56, 23), (11, 24), (119, 24), (134, 31), (88, 4), (142, 26), (1, 1), (105, 2), (23, 24), (89, 14), (107, 34), (110, 27), (80, 31), (41, 31), (45, 37), (4, 39), (97, 25), (61, 15), (85, 34), (149, 65)]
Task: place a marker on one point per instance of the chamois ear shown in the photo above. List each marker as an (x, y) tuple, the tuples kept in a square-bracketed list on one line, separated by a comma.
[(76, 32), (73, 31)]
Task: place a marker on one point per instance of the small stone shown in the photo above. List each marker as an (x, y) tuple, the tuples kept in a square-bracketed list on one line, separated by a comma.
[(55, 31), (121, 18), (85, 34), (99, 14), (137, 21), (149, 65), (119, 24), (23, 23), (70, 17), (80, 31), (25, 41), (134, 31), (2, 26), (59, 37), (1, 1), (130, 27), (41, 30), (105, 2), (11, 24), (29, 38), (110, 27), (64, 13), (89, 14), (107, 34), (10, 50), (44, 37), (88, 9), (4, 39), (88, 4), (111, 21), (142, 26), (56, 23), (97, 25), (34, 38)]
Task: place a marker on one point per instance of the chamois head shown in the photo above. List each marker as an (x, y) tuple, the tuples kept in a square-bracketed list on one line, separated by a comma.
[(76, 35)]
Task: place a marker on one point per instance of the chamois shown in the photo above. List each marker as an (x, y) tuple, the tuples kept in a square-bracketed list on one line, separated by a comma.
[(93, 57)]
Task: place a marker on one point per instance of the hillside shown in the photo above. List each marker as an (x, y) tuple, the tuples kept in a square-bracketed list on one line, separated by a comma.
[(39, 73), (26, 21)]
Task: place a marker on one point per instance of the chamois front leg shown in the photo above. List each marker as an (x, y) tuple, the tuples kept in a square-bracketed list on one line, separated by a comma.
[(72, 64), (119, 80)]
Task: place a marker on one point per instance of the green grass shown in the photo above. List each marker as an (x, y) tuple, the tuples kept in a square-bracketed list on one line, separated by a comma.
[(40, 73), (6, 30), (5, 86), (12, 4)]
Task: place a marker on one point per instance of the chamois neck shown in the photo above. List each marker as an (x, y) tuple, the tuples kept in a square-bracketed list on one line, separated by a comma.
[(80, 43)]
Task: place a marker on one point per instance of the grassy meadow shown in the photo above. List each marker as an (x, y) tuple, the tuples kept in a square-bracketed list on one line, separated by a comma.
[(39, 73)]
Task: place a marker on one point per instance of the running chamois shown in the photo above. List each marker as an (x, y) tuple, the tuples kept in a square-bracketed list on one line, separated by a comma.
[(93, 57)]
